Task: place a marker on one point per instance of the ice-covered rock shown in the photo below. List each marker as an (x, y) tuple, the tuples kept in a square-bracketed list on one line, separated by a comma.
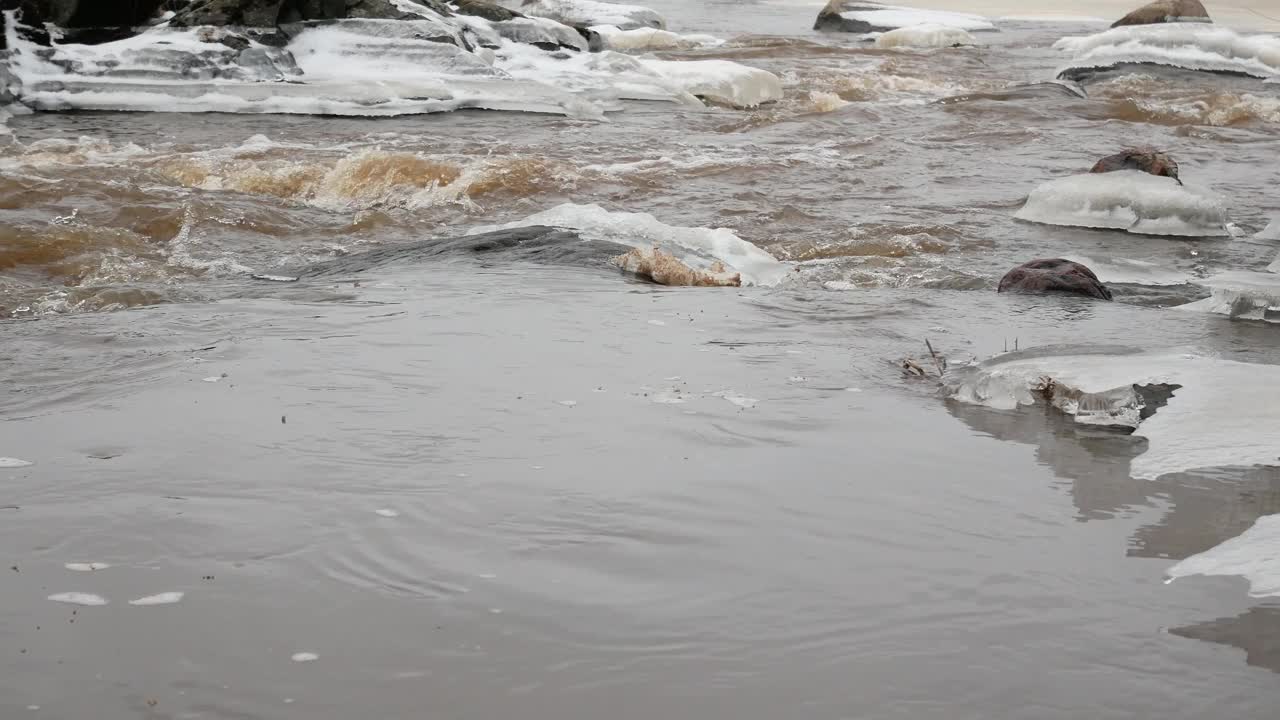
[(1192, 46), (1241, 294), (1221, 413), (1128, 200), (1254, 555), (616, 38), (859, 16), (927, 35), (716, 251), (587, 13)]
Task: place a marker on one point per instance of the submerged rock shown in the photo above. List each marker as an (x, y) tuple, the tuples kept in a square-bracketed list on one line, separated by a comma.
[(1164, 11), (1152, 162), (1054, 275)]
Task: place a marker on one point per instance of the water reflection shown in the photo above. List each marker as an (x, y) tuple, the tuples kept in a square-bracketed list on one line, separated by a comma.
[(1256, 631)]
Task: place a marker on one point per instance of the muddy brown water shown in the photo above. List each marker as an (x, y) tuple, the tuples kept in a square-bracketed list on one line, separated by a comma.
[(599, 497)]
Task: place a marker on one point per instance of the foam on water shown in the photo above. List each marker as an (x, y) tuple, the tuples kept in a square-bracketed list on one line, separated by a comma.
[(86, 567), (79, 598), (702, 248), (1194, 46), (1223, 414), (9, 463), (925, 36), (588, 13), (896, 16), (1129, 200), (1254, 556), (1127, 271), (165, 598), (1241, 294)]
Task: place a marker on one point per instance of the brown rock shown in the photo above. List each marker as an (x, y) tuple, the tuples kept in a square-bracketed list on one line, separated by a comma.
[(1054, 276), (1147, 160), (1164, 11)]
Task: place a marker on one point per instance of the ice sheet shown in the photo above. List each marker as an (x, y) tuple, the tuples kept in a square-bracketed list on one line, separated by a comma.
[(1241, 294), (1129, 200), (1224, 414), (1254, 555)]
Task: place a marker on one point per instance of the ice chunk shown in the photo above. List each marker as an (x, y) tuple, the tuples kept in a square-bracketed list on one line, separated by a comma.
[(925, 36), (387, 512), (697, 247), (305, 657), (79, 598), (1254, 555), (1194, 46), (878, 17), (165, 598), (1221, 412), (720, 81), (586, 13), (1128, 200), (1131, 272), (1271, 231), (652, 39), (1241, 294), (86, 567), (9, 463)]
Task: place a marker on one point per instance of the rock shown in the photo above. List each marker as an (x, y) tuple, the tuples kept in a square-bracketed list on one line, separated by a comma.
[(1152, 162), (486, 10), (269, 13), (1054, 276), (85, 13), (861, 16), (1164, 11)]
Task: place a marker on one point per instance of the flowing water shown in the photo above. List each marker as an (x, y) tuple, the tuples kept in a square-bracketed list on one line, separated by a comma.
[(474, 486)]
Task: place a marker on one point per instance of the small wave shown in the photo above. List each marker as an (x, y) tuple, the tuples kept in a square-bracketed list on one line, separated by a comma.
[(1127, 200), (1141, 97), (716, 251)]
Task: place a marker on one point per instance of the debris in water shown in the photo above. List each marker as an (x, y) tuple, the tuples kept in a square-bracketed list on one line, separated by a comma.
[(79, 598), (86, 567), (165, 598), (797, 379), (9, 462), (387, 512), (305, 657)]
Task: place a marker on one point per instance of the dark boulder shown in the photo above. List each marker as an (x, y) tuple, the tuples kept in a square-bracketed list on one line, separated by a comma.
[(1147, 160), (1165, 11), (1054, 276), (831, 20)]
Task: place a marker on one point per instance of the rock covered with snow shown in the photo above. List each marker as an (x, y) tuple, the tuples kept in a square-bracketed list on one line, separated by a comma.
[(1054, 275), (1129, 200), (1166, 11), (1190, 46), (860, 16)]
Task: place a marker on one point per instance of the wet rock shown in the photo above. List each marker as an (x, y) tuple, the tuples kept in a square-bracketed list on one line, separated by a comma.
[(831, 20), (269, 13), (1165, 11), (1152, 162), (1054, 276)]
